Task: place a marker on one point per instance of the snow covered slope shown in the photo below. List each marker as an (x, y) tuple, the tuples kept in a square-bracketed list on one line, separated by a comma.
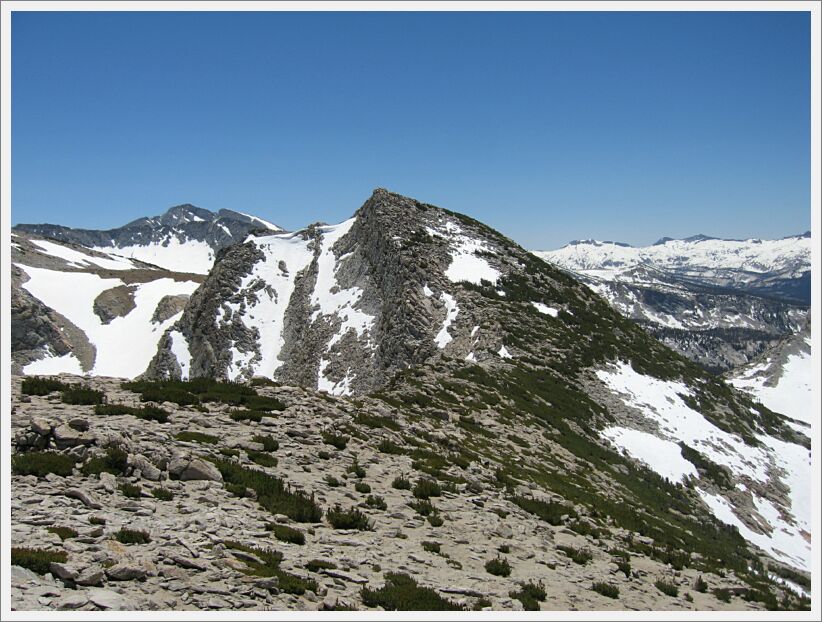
[(183, 239), (779, 525), (78, 310), (782, 378)]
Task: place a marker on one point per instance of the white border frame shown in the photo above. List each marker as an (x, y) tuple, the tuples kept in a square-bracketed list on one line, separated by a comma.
[(10, 6)]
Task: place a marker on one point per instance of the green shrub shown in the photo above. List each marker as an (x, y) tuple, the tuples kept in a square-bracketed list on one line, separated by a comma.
[(96, 520), (401, 593), (197, 437), (146, 412), (41, 386), (270, 567), (624, 567), (422, 507), (323, 455), (700, 585), (606, 589), (376, 421), (269, 443), (331, 481), (272, 493), (284, 533), (362, 487), (530, 595), (578, 556), (262, 458), (481, 604), (426, 488), (162, 494), (336, 440), (41, 463), (315, 565), (131, 491), (434, 519), (347, 519), (721, 593), (247, 415), (132, 536), (376, 502), (64, 532), (355, 469), (431, 547), (401, 483), (114, 461), (666, 587), (238, 490), (231, 453), (498, 566), (83, 396), (36, 560), (387, 446), (549, 511), (504, 548)]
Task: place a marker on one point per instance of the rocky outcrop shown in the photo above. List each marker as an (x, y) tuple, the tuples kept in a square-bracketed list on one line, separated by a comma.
[(113, 303)]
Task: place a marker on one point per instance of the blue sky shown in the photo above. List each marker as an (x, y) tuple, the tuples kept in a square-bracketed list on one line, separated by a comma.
[(547, 126)]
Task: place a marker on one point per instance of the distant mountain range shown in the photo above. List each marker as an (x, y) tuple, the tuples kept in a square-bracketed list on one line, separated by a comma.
[(184, 239), (719, 302)]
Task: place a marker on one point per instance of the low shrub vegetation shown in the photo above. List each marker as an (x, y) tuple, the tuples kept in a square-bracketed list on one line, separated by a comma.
[(269, 443), (530, 595), (606, 589), (315, 565), (65, 533), (666, 587), (498, 566), (197, 437), (376, 502), (82, 396), (426, 488), (114, 461), (247, 415), (362, 487), (146, 412), (41, 463), (273, 493), (262, 458), (352, 518), (36, 560), (270, 567), (41, 386), (131, 491), (162, 494), (335, 440), (401, 483), (578, 556), (132, 536), (284, 533), (402, 593)]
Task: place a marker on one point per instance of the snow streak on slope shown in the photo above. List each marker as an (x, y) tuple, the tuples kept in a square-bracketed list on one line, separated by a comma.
[(179, 348), (791, 395), (545, 309), (265, 223), (660, 402), (78, 259), (443, 337), (191, 256), (124, 346), (328, 297), (466, 264), (285, 256)]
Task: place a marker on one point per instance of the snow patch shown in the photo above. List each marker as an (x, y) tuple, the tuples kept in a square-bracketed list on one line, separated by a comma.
[(664, 457), (543, 308), (191, 256), (443, 337), (466, 264), (179, 348), (79, 259), (52, 364), (504, 353)]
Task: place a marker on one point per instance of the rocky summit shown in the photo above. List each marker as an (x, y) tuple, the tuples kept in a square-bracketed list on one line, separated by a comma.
[(404, 411)]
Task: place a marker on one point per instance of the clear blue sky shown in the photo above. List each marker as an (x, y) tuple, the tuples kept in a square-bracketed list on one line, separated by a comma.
[(547, 126)]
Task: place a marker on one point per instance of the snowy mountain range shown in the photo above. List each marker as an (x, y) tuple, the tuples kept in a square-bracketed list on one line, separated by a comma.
[(438, 317), (774, 268), (721, 303), (184, 239)]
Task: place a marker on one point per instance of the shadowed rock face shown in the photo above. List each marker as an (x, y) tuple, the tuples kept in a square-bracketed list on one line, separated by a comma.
[(387, 268)]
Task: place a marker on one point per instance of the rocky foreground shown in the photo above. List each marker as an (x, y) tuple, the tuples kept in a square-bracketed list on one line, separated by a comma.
[(207, 543)]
